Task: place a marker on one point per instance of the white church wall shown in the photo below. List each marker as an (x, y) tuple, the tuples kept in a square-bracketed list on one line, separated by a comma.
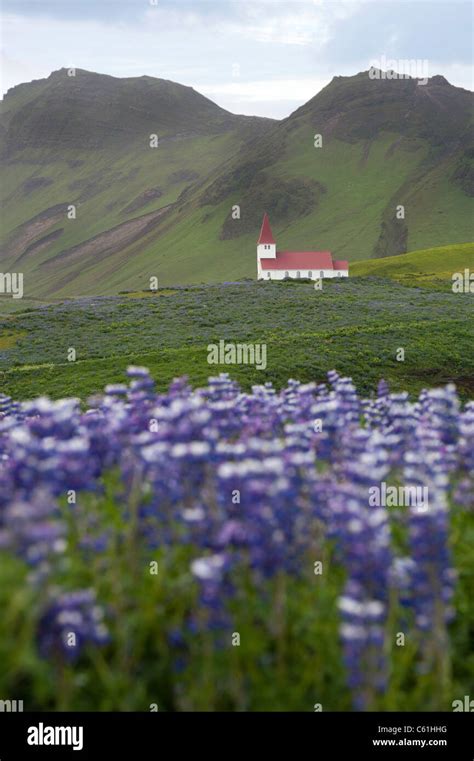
[(297, 274)]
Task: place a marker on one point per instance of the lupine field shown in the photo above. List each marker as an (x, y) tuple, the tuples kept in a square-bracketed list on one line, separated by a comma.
[(355, 325), (215, 549)]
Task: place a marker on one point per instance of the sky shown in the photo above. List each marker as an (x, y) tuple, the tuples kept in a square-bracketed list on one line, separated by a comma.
[(262, 57)]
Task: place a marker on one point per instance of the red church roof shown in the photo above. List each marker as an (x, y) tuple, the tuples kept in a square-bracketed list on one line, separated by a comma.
[(266, 235), (296, 260), (299, 260)]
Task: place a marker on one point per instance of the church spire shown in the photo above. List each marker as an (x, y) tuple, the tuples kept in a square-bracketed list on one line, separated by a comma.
[(266, 235)]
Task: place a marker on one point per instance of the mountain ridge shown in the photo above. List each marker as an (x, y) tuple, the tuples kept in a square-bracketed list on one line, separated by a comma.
[(84, 141)]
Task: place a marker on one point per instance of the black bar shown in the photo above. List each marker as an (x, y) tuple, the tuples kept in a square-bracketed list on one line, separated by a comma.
[(236, 735)]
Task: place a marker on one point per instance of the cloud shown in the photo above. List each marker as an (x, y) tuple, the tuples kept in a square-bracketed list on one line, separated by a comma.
[(301, 22), (301, 89), (94, 10), (286, 50), (437, 30), (276, 98)]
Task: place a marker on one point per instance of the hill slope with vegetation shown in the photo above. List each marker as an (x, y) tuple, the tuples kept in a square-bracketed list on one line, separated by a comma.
[(356, 326), (84, 140), (428, 267)]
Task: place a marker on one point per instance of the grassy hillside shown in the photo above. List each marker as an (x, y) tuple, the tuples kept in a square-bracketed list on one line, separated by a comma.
[(432, 266), (356, 326), (166, 212), (85, 141)]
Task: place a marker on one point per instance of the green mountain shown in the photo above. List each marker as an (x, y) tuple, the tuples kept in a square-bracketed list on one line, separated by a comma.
[(189, 209)]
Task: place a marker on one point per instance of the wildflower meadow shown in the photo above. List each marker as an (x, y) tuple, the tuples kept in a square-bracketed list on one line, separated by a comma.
[(302, 549)]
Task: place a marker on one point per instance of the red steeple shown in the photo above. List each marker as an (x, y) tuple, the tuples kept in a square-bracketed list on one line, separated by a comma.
[(266, 235)]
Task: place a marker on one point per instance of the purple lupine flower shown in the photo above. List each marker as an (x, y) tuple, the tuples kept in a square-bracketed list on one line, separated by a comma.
[(300, 459), (362, 632), (383, 389), (464, 493), (433, 577), (362, 535), (70, 622)]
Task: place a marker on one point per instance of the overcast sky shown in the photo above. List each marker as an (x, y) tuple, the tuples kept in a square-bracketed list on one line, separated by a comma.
[(263, 57)]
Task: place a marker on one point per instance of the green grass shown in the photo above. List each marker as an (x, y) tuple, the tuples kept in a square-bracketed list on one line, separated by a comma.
[(9, 339), (347, 221), (433, 266), (356, 326)]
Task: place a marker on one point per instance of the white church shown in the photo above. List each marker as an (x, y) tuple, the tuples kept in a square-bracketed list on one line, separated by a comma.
[(278, 265)]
